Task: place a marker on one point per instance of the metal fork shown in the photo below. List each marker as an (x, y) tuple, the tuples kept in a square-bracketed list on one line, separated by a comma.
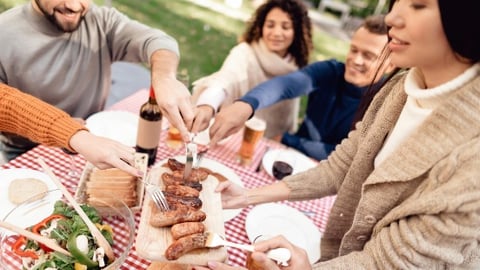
[(280, 255), (157, 196), (141, 160)]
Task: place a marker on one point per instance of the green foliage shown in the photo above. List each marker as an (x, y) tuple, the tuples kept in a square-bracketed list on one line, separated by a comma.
[(205, 36)]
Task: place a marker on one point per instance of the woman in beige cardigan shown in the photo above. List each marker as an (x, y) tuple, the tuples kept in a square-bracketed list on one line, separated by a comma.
[(407, 179), (277, 41)]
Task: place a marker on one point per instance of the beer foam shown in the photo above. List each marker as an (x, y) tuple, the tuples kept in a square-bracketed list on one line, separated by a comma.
[(256, 124)]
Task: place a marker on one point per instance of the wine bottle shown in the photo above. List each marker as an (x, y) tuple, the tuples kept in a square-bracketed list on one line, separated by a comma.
[(149, 127)]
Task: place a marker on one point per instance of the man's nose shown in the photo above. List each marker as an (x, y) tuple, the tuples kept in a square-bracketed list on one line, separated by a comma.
[(74, 5), (358, 59)]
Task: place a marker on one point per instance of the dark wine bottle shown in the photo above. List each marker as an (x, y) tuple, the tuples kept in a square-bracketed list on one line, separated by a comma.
[(149, 127)]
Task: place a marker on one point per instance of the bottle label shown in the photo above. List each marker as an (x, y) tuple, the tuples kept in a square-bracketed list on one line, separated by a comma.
[(148, 135)]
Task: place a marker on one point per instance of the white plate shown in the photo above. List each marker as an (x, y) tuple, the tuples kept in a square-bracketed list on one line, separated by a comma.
[(272, 219), (45, 209), (217, 167), (302, 162), (120, 126)]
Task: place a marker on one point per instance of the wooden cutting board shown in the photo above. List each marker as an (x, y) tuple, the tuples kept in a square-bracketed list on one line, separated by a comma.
[(152, 242)]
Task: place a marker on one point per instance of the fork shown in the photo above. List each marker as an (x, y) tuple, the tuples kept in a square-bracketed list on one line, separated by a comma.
[(141, 163), (280, 255), (157, 197)]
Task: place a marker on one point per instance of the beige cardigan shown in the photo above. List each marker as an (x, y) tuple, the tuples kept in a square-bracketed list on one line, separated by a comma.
[(420, 209), (245, 67)]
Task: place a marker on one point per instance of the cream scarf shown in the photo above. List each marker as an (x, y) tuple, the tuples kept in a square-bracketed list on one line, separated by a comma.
[(420, 104), (246, 66)]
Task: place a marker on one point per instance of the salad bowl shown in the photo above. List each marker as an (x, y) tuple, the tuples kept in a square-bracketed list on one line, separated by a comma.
[(52, 217)]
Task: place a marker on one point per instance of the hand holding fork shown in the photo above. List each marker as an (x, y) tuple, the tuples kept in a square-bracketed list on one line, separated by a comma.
[(154, 190)]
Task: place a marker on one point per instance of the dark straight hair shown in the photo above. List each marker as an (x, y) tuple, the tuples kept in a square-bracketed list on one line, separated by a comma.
[(460, 24)]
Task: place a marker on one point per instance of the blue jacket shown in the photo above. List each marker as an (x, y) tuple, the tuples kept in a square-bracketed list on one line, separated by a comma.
[(332, 103)]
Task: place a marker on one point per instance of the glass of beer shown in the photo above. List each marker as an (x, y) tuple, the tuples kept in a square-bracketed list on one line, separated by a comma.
[(252, 134), (174, 138)]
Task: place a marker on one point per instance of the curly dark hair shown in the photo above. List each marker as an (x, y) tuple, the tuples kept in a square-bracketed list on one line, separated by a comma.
[(302, 42)]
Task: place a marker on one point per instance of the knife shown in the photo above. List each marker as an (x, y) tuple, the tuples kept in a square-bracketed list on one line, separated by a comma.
[(191, 155)]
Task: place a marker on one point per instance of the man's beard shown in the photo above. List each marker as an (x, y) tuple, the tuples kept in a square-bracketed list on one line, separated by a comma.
[(69, 27)]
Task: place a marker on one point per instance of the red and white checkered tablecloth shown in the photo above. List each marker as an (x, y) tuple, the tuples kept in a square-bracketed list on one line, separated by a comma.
[(225, 154)]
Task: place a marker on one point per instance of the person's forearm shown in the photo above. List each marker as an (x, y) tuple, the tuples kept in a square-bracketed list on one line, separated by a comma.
[(271, 193), (277, 89), (243, 109), (164, 64), (172, 96), (35, 119)]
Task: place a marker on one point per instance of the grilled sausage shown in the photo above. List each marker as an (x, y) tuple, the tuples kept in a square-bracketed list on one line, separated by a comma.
[(181, 214), (178, 201), (186, 228), (182, 191), (197, 175), (168, 180), (175, 165), (184, 245)]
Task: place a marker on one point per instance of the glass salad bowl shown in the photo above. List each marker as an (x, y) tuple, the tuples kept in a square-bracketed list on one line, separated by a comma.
[(116, 222)]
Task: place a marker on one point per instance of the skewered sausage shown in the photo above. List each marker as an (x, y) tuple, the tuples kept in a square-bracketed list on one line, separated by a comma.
[(184, 245)]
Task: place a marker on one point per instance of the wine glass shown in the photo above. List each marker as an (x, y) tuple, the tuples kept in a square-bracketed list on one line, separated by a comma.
[(283, 165), (73, 172)]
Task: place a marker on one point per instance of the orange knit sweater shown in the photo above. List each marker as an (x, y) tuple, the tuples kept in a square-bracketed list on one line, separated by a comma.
[(39, 121)]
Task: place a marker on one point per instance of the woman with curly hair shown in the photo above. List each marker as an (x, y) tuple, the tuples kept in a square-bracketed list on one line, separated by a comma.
[(277, 41)]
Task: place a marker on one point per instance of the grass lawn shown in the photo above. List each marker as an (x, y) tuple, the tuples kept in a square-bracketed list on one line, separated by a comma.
[(205, 36)]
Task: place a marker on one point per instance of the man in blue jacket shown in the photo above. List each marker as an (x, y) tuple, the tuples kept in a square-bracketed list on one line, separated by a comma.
[(334, 92)]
